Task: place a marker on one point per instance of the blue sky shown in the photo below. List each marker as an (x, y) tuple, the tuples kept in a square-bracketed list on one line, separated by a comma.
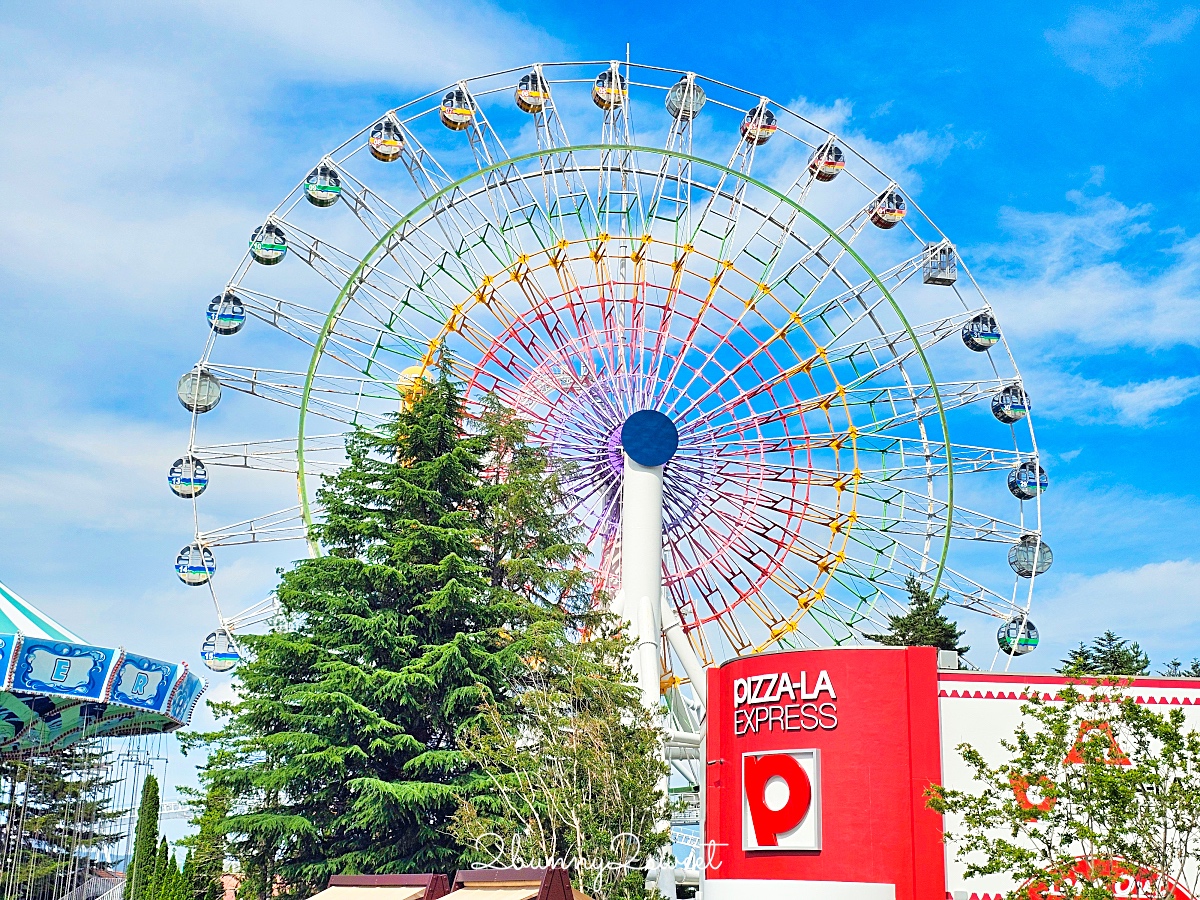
[(141, 142)]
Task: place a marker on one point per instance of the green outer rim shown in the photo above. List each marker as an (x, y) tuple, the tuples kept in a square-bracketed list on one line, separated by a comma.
[(343, 295)]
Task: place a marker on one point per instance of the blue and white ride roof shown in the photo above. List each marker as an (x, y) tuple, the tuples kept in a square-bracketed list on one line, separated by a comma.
[(56, 689)]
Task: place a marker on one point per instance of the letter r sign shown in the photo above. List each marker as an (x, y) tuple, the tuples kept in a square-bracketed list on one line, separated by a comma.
[(781, 800)]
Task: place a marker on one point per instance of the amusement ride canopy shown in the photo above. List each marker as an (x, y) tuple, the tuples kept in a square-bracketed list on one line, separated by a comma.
[(57, 689)]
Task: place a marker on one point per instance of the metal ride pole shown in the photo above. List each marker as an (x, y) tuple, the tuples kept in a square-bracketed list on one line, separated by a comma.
[(649, 439)]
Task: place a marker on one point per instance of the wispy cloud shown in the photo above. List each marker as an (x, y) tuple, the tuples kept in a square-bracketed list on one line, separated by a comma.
[(1069, 281), (1113, 45), (1158, 604), (1064, 395)]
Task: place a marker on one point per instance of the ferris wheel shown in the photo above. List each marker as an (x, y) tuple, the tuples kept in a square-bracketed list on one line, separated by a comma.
[(729, 297)]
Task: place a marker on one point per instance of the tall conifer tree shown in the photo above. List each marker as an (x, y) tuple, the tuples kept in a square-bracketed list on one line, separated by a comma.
[(446, 568), (145, 837)]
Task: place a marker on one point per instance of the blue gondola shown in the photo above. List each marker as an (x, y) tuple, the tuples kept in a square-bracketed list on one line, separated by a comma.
[(188, 477), (226, 313), (1011, 404), (1028, 480), (195, 565), (981, 333)]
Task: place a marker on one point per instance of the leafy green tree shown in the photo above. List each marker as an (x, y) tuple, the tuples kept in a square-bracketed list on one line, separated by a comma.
[(924, 624), (1089, 778), (447, 570), (1108, 654), (573, 772), (1175, 669)]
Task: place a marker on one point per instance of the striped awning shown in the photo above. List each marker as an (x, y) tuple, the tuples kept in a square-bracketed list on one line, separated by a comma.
[(18, 615)]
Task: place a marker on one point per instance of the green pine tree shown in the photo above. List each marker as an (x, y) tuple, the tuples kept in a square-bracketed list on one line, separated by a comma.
[(924, 625), (141, 868), (160, 875), (1175, 669), (1108, 654), (205, 861), (447, 568)]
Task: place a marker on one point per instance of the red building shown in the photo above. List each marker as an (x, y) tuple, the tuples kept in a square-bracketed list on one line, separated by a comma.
[(817, 763)]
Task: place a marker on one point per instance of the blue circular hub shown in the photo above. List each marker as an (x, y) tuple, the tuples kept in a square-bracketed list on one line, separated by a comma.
[(649, 437)]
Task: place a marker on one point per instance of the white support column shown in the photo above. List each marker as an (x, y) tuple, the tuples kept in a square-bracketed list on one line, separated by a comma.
[(641, 569), (649, 440)]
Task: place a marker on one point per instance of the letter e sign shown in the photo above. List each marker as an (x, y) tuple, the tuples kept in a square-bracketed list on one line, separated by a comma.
[(781, 800)]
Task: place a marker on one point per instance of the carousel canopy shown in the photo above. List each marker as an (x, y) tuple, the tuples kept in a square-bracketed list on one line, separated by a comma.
[(56, 689)]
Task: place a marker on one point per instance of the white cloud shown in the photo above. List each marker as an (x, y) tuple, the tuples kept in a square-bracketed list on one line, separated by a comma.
[(143, 162), (1157, 604), (1067, 280), (1064, 395), (1112, 45), (384, 42)]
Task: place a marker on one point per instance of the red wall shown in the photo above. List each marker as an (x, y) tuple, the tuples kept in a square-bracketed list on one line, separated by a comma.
[(875, 765)]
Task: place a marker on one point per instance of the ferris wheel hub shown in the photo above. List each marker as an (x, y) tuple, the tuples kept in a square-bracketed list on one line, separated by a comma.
[(649, 437)]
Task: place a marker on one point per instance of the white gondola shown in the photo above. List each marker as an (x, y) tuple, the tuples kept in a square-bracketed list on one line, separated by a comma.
[(685, 99), (939, 264), (1030, 556), (199, 391)]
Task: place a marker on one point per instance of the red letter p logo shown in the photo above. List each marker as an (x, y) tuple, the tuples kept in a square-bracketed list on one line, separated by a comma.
[(771, 820)]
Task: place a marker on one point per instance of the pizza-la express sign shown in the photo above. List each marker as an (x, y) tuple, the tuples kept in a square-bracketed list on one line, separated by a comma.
[(779, 700)]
